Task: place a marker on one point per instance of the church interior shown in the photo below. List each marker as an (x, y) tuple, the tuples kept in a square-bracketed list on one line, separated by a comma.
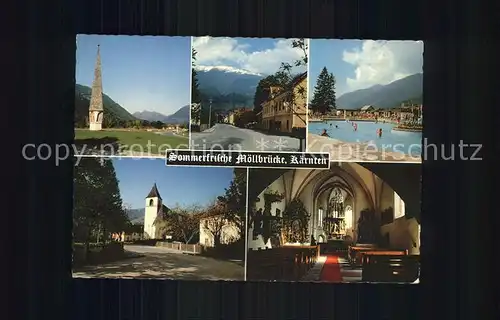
[(352, 222)]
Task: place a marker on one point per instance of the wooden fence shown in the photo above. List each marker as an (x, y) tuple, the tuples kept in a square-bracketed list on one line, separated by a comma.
[(185, 248)]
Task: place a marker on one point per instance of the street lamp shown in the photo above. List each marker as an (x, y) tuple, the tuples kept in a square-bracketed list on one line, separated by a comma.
[(210, 113)]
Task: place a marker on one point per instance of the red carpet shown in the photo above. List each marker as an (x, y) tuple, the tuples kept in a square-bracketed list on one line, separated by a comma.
[(331, 270)]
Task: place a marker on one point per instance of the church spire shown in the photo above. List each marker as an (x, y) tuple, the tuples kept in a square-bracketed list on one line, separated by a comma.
[(154, 193), (96, 97)]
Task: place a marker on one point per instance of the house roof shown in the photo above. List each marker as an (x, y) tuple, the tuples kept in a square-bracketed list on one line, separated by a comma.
[(366, 107), (295, 81), (299, 78), (154, 193), (163, 210)]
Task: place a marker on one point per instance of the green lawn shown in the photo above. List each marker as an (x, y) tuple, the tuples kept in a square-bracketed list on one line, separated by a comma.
[(135, 141)]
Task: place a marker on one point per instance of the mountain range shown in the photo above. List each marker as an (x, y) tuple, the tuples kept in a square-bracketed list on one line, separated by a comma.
[(385, 96), (114, 111), (181, 116), (222, 80), (136, 216)]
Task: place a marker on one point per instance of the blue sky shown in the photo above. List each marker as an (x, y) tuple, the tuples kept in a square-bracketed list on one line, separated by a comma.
[(177, 185), (262, 56), (359, 64), (140, 73)]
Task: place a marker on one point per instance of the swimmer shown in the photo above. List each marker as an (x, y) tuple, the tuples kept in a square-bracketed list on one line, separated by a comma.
[(379, 132), (324, 134), (336, 126)]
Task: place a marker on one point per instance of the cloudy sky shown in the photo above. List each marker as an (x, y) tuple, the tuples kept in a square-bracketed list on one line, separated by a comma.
[(359, 64), (260, 56)]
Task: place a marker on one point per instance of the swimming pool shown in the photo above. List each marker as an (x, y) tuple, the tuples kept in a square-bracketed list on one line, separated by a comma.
[(397, 141)]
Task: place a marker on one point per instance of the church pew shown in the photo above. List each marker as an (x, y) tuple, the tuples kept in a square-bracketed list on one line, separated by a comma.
[(358, 256), (305, 258), (378, 267), (270, 264), (284, 263), (352, 251), (263, 264), (297, 261)]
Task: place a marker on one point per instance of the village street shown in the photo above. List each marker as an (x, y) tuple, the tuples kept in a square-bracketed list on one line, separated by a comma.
[(227, 137), (158, 262)]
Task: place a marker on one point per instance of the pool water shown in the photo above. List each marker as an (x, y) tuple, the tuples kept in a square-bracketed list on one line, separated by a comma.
[(398, 141)]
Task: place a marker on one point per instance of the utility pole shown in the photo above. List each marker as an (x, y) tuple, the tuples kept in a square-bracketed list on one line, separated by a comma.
[(210, 113)]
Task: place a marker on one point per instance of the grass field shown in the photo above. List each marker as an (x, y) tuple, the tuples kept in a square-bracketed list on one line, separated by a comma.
[(136, 141)]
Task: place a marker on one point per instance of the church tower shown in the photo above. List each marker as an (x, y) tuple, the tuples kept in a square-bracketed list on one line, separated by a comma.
[(153, 206), (96, 110)]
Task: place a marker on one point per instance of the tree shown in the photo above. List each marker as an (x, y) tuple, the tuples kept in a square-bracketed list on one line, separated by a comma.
[(213, 221), (195, 91), (234, 200), (164, 225), (286, 76), (262, 92), (186, 222), (181, 223), (243, 118), (324, 99), (98, 208)]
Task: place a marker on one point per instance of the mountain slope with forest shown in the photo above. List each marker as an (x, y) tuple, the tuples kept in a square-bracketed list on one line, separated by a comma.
[(385, 96), (136, 216), (113, 112)]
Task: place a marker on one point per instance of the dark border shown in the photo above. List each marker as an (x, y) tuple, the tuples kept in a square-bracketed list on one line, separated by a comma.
[(455, 213)]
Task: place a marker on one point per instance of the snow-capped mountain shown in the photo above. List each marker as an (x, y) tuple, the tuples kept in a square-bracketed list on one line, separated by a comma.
[(224, 80), (227, 69)]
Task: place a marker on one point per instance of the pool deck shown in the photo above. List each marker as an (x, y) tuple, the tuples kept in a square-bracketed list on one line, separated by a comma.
[(407, 129), (355, 151)]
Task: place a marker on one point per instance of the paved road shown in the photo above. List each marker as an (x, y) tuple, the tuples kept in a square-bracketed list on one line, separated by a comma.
[(227, 137), (155, 262)]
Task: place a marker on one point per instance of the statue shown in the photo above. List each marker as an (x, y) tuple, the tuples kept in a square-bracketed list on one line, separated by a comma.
[(257, 223), (313, 241)]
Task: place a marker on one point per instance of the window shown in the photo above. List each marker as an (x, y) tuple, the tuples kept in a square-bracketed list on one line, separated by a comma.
[(151, 202), (399, 206), (348, 216), (337, 203), (320, 217)]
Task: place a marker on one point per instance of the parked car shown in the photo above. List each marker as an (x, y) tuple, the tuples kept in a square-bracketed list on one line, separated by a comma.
[(251, 125)]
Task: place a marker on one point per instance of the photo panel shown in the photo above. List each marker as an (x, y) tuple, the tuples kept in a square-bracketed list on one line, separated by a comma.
[(132, 94), (354, 222), (365, 101), (249, 94), (137, 218)]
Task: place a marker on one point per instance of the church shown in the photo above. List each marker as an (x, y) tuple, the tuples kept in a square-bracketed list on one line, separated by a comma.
[(154, 207), (334, 210), (213, 229)]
